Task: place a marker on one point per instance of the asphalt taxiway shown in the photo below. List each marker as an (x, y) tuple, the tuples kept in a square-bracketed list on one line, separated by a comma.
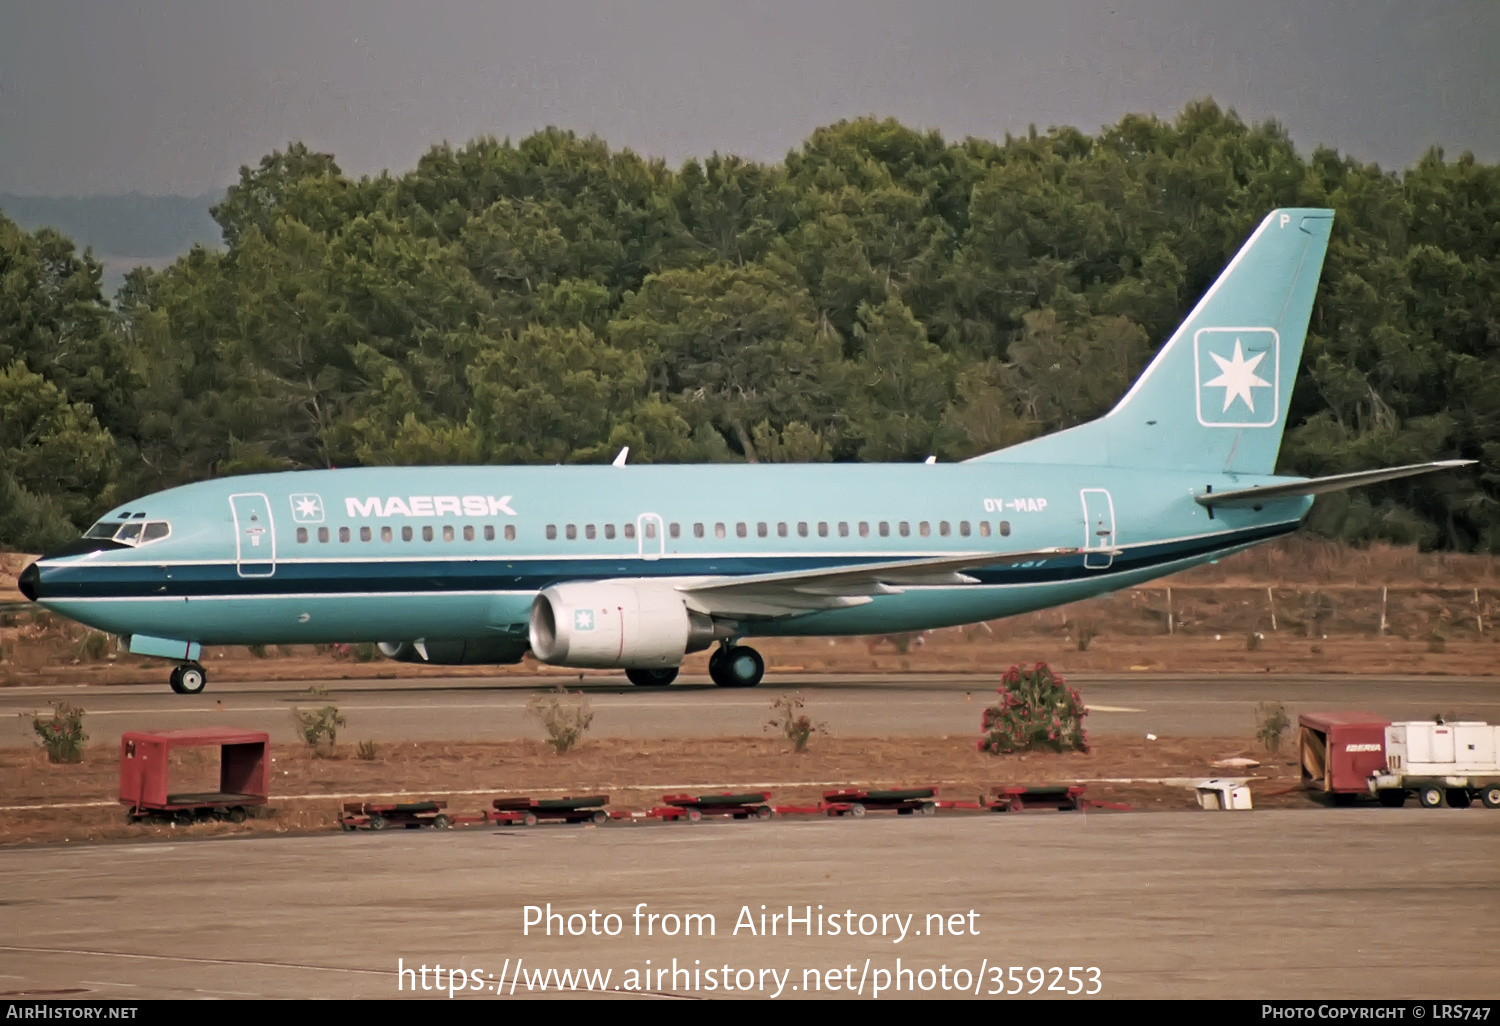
[(469, 708)]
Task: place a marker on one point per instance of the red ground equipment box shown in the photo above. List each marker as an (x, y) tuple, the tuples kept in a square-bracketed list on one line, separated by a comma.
[(1339, 751), (145, 766)]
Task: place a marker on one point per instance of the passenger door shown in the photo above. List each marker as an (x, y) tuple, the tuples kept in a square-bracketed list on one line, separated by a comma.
[(1099, 525), (650, 536), (254, 535)]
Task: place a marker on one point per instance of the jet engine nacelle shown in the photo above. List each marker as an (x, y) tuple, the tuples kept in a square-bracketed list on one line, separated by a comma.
[(457, 651), (614, 624)]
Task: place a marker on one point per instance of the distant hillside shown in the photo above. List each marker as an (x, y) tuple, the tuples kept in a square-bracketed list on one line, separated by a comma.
[(129, 225)]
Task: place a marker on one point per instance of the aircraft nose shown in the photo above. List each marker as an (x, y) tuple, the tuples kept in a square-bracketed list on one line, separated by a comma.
[(30, 578)]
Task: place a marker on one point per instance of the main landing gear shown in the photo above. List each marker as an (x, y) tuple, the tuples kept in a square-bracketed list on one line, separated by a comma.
[(736, 666), (189, 679)]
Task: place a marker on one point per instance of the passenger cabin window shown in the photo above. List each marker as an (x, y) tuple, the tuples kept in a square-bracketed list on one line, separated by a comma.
[(447, 532), (719, 531), (364, 534), (427, 532), (323, 534), (590, 532), (697, 530), (405, 534), (489, 532), (924, 529), (650, 528), (469, 532), (944, 529), (984, 529), (843, 529), (802, 528), (571, 531), (963, 528), (741, 530), (905, 529), (301, 535), (822, 529), (510, 532), (864, 529), (386, 534), (551, 532), (762, 529), (1005, 528), (343, 534), (781, 529), (609, 532), (675, 530), (885, 529), (629, 530)]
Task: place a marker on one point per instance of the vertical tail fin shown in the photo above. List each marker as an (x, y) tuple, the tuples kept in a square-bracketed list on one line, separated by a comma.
[(1215, 398)]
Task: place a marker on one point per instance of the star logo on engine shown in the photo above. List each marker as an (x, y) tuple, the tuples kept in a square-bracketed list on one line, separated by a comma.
[(307, 509), (583, 619), (1245, 391)]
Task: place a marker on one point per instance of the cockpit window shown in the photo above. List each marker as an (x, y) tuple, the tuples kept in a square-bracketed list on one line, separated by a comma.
[(131, 532)]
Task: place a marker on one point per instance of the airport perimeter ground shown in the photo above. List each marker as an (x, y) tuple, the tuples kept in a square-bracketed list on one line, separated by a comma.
[(1293, 899)]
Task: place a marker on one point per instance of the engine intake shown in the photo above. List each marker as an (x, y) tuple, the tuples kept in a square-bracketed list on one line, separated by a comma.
[(610, 625)]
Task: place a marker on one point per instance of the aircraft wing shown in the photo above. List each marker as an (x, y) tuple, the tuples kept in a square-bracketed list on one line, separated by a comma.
[(801, 591), (1320, 485)]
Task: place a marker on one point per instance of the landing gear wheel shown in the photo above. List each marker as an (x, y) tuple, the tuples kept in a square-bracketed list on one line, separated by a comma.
[(189, 679), (1458, 798), (651, 678), (1392, 797), (739, 666), (1430, 797), (1491, 796)]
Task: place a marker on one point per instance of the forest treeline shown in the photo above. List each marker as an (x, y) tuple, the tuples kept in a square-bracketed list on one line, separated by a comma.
[(881, 294)]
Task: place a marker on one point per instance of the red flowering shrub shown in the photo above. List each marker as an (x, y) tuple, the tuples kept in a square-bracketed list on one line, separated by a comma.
[(1037, 709), (62, 733)]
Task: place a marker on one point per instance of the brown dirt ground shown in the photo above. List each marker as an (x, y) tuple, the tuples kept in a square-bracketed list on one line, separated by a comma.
[(634, 772)]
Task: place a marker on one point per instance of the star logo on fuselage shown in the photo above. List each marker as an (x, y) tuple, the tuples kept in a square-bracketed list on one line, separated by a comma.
[(307, 509)]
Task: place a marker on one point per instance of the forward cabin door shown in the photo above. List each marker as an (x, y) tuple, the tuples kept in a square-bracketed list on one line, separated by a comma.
[(650, 536), (254, 535), (1099, 523)]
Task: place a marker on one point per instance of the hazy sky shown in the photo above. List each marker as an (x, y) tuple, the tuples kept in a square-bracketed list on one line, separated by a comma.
[(160, 96)]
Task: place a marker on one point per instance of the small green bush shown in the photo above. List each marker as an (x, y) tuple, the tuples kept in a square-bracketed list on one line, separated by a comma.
[(564, 715), (259, 651), (318, 728), (92, 647), (1271, 722), (365, 750), (62, 733), (1037, 709)]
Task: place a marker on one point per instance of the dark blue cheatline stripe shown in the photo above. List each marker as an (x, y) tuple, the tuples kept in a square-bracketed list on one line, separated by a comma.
[(94, 580)]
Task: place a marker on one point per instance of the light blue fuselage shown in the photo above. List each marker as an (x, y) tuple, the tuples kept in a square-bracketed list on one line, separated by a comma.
[(233, 570)]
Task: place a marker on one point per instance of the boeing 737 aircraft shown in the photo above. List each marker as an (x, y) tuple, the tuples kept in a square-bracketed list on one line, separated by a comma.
[(636, 566)]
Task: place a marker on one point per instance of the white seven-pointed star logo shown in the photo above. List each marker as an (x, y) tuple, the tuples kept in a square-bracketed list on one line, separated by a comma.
[(583, 619), (307, 509), (1237, 376)]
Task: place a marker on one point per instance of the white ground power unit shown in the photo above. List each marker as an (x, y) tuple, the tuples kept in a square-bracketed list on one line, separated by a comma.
[(1441, 763)]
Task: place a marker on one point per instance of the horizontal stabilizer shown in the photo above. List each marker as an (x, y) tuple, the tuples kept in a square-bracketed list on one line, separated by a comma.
[(1320, 485)]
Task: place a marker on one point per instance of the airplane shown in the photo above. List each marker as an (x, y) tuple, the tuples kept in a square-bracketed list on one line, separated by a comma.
[(633, 567)]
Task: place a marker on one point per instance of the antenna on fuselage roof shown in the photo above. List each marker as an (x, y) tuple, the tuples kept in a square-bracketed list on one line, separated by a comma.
[(620, 459)]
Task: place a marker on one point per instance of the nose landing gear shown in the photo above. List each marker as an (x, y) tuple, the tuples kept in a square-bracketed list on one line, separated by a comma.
[(189, 679), (736, 666)]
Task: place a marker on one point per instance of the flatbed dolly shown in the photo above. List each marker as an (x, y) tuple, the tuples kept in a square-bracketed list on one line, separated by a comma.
[(379, 815), (902, 801), (584, 809), (750, 805)]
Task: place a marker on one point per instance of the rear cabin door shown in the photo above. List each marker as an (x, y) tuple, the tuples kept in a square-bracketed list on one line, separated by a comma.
[(1099, 524), (650, 535), (254, 535)]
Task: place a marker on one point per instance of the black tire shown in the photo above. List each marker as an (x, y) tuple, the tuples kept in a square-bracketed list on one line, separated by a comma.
[(651, 678), (693, 815), (1490, 796), (601, 817), (1430, 797), (347, 824), (191, 679), (737, 667), (764, 812), (1458, 798), (441, 822), (176, 680), (1392, 797), (856, 809), (237, 814), (1344, 798), (377, 822), (927, 809)]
